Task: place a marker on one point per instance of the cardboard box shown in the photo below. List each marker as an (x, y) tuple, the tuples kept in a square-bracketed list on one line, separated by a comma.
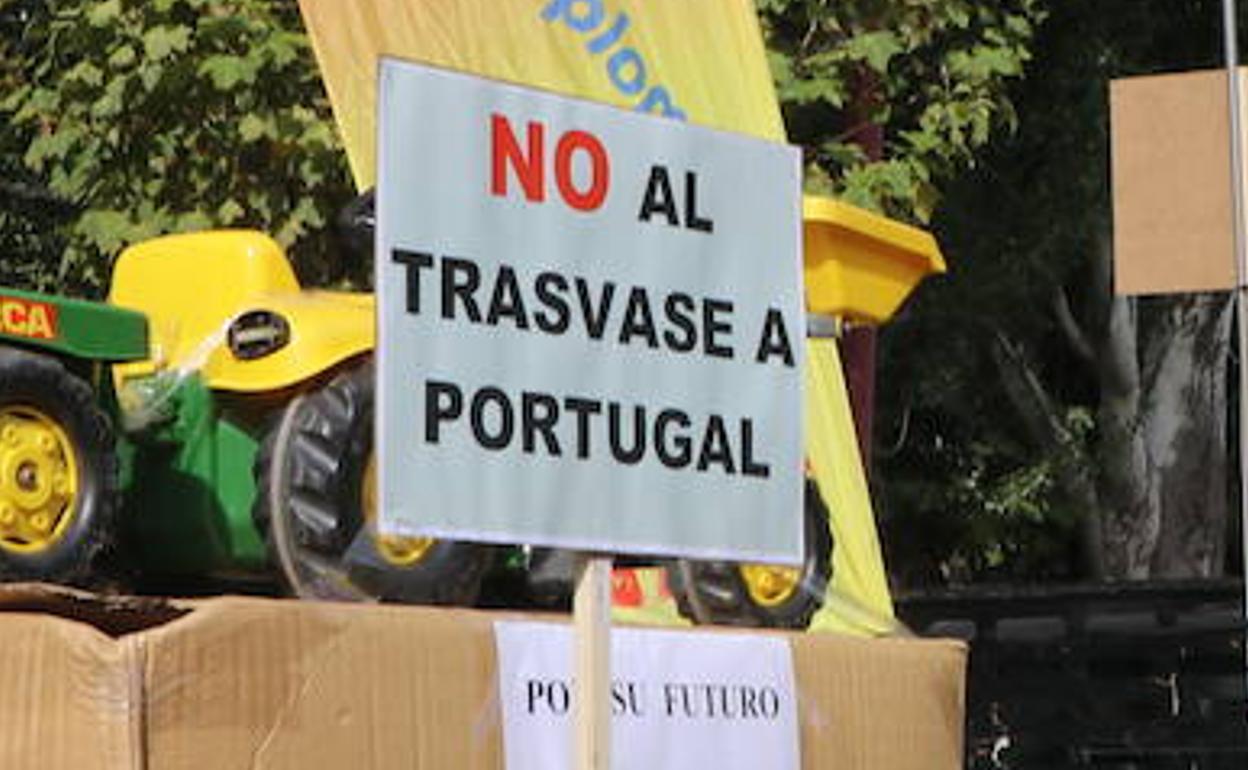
[(132, 684)]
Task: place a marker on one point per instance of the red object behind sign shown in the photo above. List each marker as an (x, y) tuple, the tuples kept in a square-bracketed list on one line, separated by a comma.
[(27, 318)]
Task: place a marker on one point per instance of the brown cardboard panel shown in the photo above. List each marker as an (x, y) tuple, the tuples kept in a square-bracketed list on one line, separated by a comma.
[(271, 685), (284, 685), (1171, 173), (880, 703), (68, 700)]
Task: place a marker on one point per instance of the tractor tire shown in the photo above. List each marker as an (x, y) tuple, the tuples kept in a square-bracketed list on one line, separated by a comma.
[(58, 473), (315, 505), (755, 595)]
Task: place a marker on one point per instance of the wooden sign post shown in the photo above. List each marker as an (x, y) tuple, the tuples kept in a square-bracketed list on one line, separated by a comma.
[(591, 613)]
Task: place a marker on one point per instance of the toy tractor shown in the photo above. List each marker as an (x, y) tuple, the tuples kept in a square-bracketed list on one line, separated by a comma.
[(215, 419), (230, 409)]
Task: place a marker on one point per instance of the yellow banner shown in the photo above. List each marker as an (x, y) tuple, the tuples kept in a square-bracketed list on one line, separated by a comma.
[(858, 601), (696, 60), (700, 60)]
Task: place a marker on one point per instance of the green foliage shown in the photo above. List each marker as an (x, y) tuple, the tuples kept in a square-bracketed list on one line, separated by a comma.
[(894, 102), (147, 117), (964, 496), (29, 214), (930, 75)]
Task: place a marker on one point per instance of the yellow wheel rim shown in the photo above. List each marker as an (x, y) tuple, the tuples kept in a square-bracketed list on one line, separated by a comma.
[(769, 585), (395, 550), (38, 480)]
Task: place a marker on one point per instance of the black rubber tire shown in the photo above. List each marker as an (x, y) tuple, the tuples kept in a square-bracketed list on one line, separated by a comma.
[(714, 592), (309, 474), (42, 383)]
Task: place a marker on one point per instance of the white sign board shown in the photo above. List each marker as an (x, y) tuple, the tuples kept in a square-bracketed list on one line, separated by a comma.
[(590, 325), (679, 700)]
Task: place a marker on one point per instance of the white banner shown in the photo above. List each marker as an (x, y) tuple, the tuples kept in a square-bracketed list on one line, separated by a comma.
[(679, 700), (591, 325)]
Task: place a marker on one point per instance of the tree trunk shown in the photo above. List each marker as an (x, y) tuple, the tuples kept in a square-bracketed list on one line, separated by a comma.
[(1186, 419), (1130, 519), (1162, 451), (1160, 500)]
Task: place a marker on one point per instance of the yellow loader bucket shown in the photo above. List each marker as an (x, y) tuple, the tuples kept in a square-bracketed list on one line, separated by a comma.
[(861, 266)]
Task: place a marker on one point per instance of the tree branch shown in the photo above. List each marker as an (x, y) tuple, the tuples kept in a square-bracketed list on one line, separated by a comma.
[(902, 433), (1047, 429), (1027, 394), (1070, 327), (1118, 366)]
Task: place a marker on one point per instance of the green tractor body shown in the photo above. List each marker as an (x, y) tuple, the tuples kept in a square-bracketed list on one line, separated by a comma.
[(88, 331), (190, 490)]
